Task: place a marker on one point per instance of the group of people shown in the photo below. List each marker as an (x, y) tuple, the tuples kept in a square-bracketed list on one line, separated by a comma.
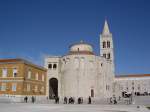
[(71, 100), (56, 99), (113, 100), (26, 99)]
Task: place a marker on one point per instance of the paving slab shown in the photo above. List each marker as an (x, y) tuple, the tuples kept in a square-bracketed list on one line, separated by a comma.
[(29, 107)]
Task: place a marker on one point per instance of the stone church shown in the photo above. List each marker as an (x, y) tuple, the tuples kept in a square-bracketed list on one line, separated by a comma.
[(81, 73)]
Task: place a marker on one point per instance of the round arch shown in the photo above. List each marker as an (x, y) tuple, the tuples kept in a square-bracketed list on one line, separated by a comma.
[(53, 87)]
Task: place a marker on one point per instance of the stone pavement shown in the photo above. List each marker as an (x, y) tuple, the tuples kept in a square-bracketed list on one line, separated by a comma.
[(23, 107)]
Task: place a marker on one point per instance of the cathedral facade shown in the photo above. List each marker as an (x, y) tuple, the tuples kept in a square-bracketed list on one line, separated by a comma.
[(81, 73)]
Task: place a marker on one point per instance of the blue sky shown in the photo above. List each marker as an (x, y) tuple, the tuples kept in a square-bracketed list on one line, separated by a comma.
[(32, 29)]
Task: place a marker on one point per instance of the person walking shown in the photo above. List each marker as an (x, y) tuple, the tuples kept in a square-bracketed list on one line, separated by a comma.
[(89, 100), (33, 100), (65, 100)]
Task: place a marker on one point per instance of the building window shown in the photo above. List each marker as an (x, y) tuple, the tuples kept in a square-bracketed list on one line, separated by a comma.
[(104, 55), (50, 66), (29, 74), (15, 71), (28, 87), (37, 76), (43, 77), (108, 44), (108, 56), (92, 93), (54, 66), (3, 87), (4, 72), (104, 44), (42, 89), (14, 87)]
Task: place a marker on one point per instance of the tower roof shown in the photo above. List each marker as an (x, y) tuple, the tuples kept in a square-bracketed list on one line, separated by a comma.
[(106, 28)]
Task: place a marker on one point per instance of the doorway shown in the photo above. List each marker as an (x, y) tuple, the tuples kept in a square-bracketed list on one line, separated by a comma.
[(53, 88)]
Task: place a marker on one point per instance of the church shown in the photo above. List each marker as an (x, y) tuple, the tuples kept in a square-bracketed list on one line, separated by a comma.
[(81, 73)]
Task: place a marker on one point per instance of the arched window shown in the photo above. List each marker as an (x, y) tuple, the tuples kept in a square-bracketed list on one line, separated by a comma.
[(92, 93), (108, 56), (104, 44), (50, 66), (15, 72), (104, 55), (54, 66), (108, 44)]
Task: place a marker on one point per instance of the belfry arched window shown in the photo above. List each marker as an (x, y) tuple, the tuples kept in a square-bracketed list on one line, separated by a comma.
[(54, 66), (108, 56), (104, 44), (50, 66), (104, 55), (108, 44)]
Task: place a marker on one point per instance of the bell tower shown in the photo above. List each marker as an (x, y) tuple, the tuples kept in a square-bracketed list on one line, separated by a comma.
[(106, 43)]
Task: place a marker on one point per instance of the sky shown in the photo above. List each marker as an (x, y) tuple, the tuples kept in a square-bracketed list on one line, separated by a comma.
[(33, 29)]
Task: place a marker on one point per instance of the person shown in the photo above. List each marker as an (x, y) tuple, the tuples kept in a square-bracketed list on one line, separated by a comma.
[(26, 99), (65, 100), (33, 100), (57, 100), (119, 98), (89, 100), (70, 99), (115, 101), (79, 100), (110, 100)]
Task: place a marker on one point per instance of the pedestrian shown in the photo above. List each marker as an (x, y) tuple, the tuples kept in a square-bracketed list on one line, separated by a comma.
[(33, 100), (115, 101), (79, 100), (25, 99), (110, 100), (89, 100), (65, 100), (57, 100), (69, 100)]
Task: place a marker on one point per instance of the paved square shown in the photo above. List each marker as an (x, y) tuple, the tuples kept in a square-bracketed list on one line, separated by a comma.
[(22, 107)]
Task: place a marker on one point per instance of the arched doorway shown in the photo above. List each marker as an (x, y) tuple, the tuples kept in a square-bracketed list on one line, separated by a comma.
[(53, 88)]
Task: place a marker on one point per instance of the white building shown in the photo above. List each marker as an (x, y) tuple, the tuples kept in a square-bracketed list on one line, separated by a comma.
[(81, 73)]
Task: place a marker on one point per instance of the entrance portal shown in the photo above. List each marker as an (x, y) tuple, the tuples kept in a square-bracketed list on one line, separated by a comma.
[(53, 88)]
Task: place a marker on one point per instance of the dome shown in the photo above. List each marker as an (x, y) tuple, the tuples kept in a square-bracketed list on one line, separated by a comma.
[(81, 48)]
